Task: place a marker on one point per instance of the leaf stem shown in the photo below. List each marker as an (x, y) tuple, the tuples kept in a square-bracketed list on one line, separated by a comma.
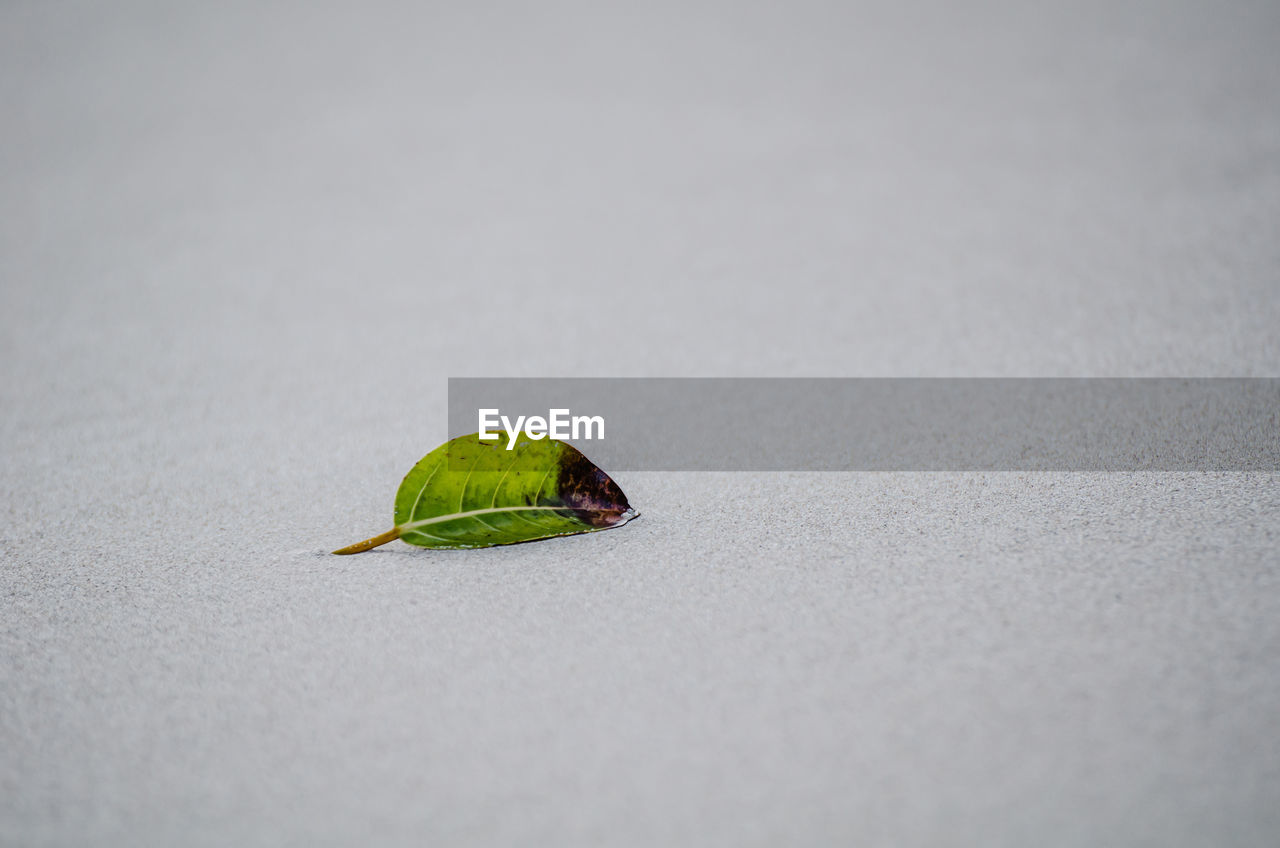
[(369, 544)]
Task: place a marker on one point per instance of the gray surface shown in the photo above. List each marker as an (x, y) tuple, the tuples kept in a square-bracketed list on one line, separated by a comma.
[(243, 249)]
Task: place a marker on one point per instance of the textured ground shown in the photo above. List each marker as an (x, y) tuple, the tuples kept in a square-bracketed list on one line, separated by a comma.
[(243, 249)]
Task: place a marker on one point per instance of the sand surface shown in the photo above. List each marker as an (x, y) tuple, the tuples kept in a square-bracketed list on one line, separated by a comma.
[(243, 249)]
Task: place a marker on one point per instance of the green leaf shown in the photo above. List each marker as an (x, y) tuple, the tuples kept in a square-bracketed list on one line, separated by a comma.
[(469, 493)]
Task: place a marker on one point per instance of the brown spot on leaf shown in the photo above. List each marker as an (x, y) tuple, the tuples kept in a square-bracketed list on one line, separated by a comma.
[(589, 492)]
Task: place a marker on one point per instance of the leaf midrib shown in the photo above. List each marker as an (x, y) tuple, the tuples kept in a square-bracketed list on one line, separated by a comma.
[(439, 519)]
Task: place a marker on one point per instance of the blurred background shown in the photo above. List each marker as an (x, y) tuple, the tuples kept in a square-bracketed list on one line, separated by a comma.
[(245, 244)]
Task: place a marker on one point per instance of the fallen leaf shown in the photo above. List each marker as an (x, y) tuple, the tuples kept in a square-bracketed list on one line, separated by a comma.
[(469, 493)]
